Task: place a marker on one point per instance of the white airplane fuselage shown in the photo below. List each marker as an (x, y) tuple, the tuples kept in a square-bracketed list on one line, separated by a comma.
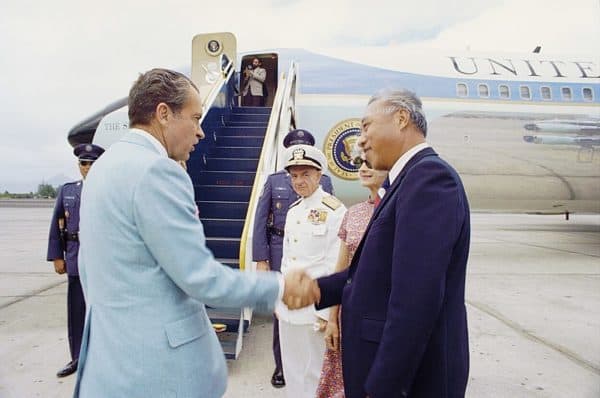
[(477, 109)]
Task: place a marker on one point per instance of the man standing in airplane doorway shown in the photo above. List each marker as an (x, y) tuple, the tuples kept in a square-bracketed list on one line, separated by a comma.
[(254, 80)]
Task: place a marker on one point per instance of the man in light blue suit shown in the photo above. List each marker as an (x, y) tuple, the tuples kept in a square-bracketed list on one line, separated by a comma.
[(145, 269)]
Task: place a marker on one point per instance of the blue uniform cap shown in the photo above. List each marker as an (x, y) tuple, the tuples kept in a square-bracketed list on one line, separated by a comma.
[(298, 137), (88, 151)]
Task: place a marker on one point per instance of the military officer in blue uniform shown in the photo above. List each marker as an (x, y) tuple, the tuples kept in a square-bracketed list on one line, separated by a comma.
[(269, 224), (63, 248)]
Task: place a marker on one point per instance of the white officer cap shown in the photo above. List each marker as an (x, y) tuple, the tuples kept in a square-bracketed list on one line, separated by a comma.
[(304, 155)]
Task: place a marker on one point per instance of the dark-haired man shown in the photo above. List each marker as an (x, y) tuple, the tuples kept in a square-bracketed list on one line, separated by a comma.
[(254, 80)]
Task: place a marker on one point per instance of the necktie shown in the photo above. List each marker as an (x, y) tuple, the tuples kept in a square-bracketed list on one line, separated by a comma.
[(384, 187)]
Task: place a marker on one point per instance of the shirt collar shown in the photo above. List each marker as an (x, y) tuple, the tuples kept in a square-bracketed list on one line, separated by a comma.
[(315, 198), (155, 143), (404, 159)]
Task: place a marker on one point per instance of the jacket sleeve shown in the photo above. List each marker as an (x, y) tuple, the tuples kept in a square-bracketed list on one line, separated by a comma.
[(259, 74), (332, 287), (326, 184), (260, 237), (55, 250), (430, 208), (164, 211)]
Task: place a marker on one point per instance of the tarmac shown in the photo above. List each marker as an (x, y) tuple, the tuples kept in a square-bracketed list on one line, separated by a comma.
[(533, 302)]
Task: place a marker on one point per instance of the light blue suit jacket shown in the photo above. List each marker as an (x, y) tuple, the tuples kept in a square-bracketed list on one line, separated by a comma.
[(146, 274)]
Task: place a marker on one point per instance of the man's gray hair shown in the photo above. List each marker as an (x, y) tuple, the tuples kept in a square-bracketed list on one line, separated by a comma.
[(154, 87), (403, 99)]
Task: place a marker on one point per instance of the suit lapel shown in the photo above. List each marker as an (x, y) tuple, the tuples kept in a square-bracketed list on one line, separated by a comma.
[(387, 198)]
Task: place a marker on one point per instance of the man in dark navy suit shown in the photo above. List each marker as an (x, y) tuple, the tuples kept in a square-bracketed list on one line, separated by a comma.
[(63, 248), (269, 223), (404, 323)]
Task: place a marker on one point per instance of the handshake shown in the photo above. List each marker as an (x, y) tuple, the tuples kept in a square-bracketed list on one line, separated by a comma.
[(300, 290)]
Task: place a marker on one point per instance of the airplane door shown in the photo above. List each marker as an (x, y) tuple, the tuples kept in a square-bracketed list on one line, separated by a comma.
[(270, 64), (206, 50)]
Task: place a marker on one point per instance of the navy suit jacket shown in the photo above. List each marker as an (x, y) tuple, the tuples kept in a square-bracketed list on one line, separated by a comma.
[(404, 323)]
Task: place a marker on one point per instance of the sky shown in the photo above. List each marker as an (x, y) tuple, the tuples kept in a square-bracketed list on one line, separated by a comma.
[(63, 60)]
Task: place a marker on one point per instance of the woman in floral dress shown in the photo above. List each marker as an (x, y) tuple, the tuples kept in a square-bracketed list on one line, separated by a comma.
[(354, 224)]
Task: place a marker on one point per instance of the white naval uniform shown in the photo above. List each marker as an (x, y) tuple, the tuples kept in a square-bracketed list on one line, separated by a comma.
[(310, 243)]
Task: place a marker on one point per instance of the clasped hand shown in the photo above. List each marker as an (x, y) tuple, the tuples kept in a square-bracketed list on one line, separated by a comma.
[(300, 290)]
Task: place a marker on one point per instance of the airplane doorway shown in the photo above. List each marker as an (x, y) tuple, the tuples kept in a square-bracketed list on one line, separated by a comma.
[(270, 64)]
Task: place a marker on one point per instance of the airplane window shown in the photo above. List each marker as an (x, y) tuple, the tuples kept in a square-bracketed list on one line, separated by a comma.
[(462, 90), (484, 90), (525, 93), (504, 91), (546, 92), (566, 93), (588, 94)]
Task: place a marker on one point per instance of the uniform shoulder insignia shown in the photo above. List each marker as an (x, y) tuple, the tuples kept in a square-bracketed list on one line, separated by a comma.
[(295, 203), (332, 202)]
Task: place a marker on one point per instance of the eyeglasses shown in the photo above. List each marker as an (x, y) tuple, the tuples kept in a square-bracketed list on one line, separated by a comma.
[(358, 161), (86, 162)]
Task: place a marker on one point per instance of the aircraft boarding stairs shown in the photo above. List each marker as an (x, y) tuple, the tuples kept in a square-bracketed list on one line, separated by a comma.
[(223, 185)]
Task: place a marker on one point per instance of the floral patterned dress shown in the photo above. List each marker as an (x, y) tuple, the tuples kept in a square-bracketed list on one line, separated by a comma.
[(354, 224)]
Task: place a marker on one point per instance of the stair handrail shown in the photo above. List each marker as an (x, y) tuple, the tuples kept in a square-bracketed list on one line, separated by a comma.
[(225, 74), (279, 125)]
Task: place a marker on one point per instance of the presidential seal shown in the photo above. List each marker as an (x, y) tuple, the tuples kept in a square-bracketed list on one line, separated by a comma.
[(213, 47), (339, 147)]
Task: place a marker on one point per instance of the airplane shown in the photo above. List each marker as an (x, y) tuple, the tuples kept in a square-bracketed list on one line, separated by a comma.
[(480, 109)]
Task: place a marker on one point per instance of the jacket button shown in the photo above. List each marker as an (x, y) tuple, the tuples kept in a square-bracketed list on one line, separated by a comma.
[(348, 281)]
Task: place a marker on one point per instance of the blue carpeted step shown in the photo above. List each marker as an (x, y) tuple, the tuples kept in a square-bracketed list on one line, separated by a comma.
[(218, 209), (232, 164), (241, 131), (228, 316), (235, 123), (224, 247), (243, 141), (228, 342), (236, 152), (235, 264), (223, 228), (252, 109), (223, 193), (239, 178), (249, 117)]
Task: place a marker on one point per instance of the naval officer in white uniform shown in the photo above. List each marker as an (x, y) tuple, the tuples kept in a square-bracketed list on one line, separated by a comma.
[(311, 243)]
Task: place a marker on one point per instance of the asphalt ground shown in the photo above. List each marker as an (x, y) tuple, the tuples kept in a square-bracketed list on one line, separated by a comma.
[(533, 302)]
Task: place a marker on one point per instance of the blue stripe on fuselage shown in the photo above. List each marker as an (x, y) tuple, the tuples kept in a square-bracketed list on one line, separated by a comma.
[(320, 74)]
